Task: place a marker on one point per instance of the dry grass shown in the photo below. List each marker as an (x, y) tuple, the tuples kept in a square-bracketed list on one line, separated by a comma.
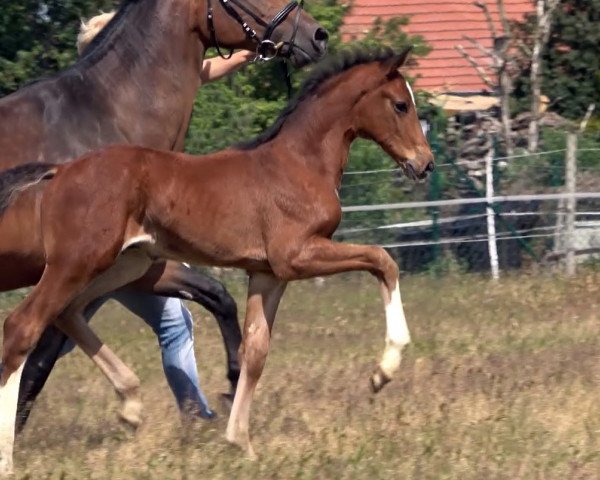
[(501, 382)]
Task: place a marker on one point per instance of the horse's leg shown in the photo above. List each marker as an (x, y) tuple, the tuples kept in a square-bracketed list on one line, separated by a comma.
[(173, 279), (264, 293), (321, 256), (36, 369)]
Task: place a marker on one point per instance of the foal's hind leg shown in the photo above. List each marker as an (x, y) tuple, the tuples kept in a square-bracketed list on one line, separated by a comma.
[(9, 394), (264, 293), (57, 288), (22, 329)]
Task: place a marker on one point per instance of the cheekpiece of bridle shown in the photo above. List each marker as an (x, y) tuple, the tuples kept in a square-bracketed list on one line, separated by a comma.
[(266, 48)]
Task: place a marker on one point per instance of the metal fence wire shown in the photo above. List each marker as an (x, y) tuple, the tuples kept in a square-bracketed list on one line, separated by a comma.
[(498, 214)]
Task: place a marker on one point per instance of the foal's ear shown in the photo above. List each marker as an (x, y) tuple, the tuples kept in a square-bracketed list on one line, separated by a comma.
[(395, 62)]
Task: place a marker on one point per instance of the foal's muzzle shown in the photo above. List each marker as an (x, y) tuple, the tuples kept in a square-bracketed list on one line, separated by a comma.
[(415, 172)]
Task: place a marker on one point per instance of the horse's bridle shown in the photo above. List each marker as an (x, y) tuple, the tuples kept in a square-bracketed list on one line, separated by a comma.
[(266, 49)]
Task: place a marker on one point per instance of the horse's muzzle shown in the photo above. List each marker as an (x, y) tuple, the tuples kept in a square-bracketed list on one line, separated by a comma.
[(310, 50), (320, 41)]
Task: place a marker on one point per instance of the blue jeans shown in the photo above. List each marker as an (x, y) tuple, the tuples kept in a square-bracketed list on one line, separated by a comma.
[(172, 323)]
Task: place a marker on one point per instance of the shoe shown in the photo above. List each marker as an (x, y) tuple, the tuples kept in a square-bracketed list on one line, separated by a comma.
[(208, 415)]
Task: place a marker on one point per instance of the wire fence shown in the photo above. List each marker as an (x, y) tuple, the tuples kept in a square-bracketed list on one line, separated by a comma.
[(490, 214)]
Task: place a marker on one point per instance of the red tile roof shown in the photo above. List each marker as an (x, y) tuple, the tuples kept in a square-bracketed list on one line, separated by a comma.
[(443, 24)]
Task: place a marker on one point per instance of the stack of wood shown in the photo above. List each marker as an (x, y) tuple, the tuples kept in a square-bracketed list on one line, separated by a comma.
[(470, 136)]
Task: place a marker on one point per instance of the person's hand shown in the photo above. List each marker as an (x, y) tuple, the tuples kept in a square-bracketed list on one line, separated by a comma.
[(247, 55)]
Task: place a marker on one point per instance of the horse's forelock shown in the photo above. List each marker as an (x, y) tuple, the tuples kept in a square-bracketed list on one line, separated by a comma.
[(91, 28)]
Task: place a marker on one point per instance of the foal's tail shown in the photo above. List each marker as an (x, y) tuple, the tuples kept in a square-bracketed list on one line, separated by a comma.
[(18, 179)]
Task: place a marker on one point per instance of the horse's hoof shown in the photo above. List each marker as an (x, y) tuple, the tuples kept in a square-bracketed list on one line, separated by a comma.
[(378, 380)]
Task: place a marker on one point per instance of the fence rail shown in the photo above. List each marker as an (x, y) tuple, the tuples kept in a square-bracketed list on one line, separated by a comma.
[(487, 231)]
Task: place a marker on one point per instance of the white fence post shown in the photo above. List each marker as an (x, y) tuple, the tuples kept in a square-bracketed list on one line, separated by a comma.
[(491, 221), (571, 201)]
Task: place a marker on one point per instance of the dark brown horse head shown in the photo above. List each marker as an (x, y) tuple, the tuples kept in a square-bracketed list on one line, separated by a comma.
[(387, 114), (271, 27)]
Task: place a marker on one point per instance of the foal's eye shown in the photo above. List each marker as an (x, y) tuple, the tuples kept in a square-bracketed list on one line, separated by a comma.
[(401, 107)]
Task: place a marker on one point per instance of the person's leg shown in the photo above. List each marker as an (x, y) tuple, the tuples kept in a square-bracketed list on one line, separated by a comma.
[(172, 323)]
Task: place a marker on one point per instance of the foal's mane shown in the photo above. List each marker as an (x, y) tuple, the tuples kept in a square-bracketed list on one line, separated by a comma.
[(332, 66)]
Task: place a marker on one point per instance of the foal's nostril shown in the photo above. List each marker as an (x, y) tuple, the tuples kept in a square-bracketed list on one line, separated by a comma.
[(430, 167), (320, 39)]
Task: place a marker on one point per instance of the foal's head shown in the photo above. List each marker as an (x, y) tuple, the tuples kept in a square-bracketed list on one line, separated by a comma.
[(386, 113)]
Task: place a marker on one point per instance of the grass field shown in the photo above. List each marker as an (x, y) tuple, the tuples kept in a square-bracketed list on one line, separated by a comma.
[(501, 382)]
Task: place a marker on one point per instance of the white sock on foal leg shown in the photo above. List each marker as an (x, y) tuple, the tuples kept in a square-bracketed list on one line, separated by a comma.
[(397, 336), (9, 396)]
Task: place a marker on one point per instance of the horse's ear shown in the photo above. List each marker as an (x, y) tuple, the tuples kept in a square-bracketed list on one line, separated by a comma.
[(395, 62)]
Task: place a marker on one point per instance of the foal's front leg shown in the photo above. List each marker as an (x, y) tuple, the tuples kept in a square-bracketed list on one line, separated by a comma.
[(124, 381), (321, 256), (264, 293), (130, 265)]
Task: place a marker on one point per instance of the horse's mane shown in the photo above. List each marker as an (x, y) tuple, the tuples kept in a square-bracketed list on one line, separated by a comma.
[(101, 42), (330, 67)]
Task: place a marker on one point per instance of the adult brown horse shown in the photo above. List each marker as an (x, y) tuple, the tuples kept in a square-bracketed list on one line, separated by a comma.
[(275, 219), (135, 84)]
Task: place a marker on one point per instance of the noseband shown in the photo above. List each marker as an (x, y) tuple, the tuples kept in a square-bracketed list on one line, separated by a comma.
[(266, 49)]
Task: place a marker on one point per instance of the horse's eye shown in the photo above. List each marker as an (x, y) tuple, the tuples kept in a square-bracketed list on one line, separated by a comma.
[(401, 107)]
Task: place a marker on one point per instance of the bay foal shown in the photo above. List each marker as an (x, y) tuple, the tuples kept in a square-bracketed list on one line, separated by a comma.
[(269, 206), (135, 84)]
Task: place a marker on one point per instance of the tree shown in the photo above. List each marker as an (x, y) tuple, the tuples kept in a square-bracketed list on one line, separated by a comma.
[(502, 62), (543, 22), (571, 78), (37, 37)]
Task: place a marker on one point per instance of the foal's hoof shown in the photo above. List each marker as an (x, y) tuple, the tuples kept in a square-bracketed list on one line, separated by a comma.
[(378, 380), (244, 444), (250, 455), (131, 414), (6, 466)]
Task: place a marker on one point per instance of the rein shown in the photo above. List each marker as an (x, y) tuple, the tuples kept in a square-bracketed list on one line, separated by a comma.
[(266, 49)]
